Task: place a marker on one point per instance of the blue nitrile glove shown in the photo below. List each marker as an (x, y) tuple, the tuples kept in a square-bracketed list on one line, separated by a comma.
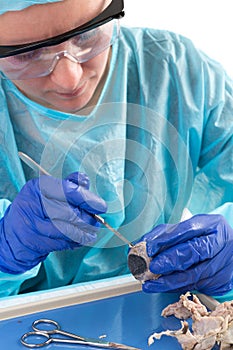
[(196, 254), (48, 214)]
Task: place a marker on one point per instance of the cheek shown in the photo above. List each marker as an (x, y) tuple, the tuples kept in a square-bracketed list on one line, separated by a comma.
[(30, 86), (98, 63)]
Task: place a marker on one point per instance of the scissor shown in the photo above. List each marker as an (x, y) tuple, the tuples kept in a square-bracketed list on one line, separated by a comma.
[(44, 329)]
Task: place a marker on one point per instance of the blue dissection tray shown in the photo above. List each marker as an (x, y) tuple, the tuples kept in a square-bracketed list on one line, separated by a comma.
[(129, 319)]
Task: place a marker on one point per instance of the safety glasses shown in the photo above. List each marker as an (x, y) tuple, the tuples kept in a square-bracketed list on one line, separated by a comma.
[(81, 44)]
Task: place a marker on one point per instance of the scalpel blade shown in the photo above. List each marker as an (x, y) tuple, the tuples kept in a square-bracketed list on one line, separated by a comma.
[(118, 234)]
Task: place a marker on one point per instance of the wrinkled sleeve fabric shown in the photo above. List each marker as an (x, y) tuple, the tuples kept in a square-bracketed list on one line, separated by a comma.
[(10, 284), (213, 176)]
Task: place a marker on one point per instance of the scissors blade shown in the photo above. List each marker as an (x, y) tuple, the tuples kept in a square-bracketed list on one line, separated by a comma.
[(102, 344), (121, 346), (35, 166)]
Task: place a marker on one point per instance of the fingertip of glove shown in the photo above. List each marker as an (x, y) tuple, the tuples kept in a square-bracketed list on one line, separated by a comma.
[(102, 207), (79, 178), (93, 204), (147, 288)]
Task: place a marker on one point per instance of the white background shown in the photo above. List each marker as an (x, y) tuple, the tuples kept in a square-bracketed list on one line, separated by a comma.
[(208, 23)]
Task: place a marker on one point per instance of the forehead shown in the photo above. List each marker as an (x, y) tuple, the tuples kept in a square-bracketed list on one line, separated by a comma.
[(42, 21)]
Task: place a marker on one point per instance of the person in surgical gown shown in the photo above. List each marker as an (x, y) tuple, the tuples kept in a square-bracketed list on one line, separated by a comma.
[(134, 124)]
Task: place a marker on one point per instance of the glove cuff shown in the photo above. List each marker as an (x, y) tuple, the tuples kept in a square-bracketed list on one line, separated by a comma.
[(8, 262)]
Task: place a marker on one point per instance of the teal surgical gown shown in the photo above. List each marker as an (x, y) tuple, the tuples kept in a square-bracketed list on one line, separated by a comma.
[(158, 140)]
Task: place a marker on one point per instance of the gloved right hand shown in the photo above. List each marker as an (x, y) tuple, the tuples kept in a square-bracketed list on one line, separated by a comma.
[(48, 214)]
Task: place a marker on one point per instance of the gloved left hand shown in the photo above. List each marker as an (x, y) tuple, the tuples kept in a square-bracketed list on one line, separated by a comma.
[(196, 254)]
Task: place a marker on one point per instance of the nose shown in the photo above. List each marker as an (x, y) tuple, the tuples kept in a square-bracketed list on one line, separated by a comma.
[(67, 73)]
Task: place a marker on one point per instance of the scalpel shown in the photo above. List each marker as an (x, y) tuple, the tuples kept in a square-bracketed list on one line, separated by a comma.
[(35, 166)]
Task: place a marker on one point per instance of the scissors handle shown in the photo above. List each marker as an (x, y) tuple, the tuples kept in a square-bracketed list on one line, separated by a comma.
[(38, 339), (44, 325), (25, 339)]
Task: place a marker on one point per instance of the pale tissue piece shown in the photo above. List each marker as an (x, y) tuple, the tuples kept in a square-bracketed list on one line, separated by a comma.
[(185, 308), (208, 328)]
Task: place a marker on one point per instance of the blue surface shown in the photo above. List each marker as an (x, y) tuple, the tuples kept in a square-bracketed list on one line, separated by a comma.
[(127, 319)]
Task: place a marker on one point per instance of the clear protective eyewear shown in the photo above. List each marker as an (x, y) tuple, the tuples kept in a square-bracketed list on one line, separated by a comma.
[(38, 59)]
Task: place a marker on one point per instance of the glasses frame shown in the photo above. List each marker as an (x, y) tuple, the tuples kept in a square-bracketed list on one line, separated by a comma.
[(112, 11)]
